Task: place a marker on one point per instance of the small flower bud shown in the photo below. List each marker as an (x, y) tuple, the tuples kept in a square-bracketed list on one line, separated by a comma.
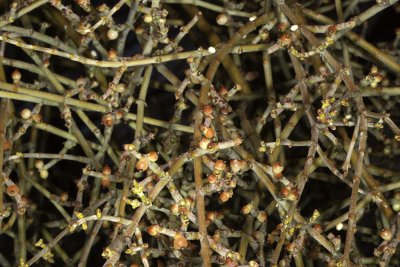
[(374, 69), (290, 247), (378, 78), (153, 156), (222, 19), (386, 234), (294, 27), (293, 195), (262, 216), (147, 18), (12, 190), (209, 132), (64, 196), (26, 113), (37, 118), (212, 50), (112, 54), (339, 226), (103, 7), (285, 192), (237, 165), (39, 164), (219, 165), (112, 34), (331, 30), (318, 228), (285, 40), (246, 209), (212, 178), (175, 209), (106, 170), (129, 147), (142, 164), (204, 142), (120, 88), (211, 215), (139, 30), (43, 173), (180, 241), (16, 75), (107, 119), (277, 168), (224, 196), (153, 230), (264, 35), (223, 90), (208, 110)]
